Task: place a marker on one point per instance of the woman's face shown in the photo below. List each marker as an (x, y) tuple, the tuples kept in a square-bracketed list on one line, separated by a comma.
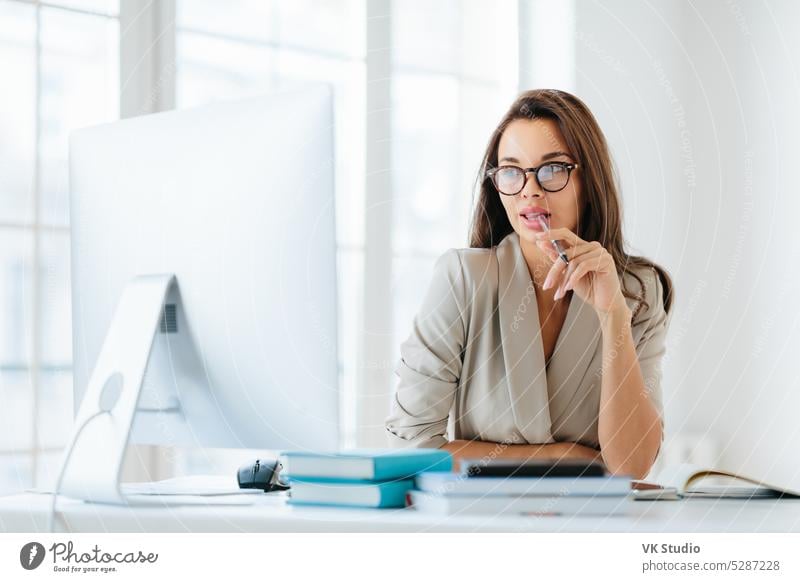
[(529, 143)]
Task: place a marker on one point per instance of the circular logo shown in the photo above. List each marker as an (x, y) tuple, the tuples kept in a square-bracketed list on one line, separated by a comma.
[(31, 555)]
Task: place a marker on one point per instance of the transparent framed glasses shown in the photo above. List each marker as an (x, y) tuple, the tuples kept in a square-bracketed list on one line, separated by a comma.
[(551, 177)]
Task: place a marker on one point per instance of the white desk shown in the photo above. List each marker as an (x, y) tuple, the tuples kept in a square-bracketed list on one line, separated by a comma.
[(28, 513)]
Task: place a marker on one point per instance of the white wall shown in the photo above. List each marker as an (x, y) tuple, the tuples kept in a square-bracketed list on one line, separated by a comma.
[(698, 101)]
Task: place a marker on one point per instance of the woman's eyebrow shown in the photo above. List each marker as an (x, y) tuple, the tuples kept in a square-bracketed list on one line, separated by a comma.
[(554, 155), (544, 157)]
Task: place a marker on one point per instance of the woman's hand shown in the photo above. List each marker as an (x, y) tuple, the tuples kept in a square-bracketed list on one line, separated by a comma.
[(591, 272)]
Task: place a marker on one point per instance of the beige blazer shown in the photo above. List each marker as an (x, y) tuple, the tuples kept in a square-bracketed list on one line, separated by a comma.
[(473, 366)]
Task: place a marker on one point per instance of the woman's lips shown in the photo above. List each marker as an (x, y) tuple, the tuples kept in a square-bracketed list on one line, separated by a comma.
[(532, 221)]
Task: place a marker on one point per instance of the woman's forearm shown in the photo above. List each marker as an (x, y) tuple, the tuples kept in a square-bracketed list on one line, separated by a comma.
[(629, 428), (468, 449)]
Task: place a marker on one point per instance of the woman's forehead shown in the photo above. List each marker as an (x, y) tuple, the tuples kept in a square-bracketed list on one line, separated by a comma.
[(528, 140)]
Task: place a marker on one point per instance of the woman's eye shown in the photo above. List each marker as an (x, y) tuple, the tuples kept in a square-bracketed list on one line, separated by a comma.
[(550, 172), (509, 174)]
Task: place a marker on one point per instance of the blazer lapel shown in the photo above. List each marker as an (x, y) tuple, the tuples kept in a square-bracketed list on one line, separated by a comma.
[(575, 348), (520, 331)]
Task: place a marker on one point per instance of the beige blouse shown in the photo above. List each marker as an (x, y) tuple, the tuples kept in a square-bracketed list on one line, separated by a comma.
[(473, 366)]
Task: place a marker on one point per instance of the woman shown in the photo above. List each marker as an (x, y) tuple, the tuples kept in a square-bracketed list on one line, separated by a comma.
[(517, 353)]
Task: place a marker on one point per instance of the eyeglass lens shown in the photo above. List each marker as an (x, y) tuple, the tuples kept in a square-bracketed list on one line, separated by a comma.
[(511, 180)]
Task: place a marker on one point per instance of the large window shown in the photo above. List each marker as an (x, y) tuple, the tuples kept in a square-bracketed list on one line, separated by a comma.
[(59, 62), (454, 75), (452, 70)]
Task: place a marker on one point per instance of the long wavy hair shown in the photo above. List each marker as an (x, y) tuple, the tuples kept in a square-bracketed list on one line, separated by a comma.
[(601, 212)]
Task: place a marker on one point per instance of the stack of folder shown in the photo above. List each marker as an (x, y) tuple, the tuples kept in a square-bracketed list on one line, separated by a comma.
[(469, 493), (359, 477)]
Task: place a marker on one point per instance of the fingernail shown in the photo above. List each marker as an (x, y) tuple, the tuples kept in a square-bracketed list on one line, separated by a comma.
[(546, 284), (558, 294)]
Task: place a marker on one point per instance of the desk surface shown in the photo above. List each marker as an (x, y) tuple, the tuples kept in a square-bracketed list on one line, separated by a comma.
[(269, 513)]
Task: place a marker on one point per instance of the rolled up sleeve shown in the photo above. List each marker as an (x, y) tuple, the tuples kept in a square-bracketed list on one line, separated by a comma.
[(430, 361), (649, 331)]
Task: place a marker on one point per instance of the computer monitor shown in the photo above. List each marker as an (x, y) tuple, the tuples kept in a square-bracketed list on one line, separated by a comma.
[(237, 201)]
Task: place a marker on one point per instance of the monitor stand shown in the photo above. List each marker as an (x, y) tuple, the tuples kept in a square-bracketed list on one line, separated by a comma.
[(92, 462)]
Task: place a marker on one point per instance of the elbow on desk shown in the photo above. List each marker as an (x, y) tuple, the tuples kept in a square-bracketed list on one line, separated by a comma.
[(397, 440), (636, 468)]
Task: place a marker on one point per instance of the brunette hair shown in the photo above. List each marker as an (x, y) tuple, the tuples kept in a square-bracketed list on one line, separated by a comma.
[(600, 218)]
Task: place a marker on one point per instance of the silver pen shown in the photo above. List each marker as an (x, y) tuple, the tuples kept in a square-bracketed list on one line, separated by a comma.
[(555, 243)]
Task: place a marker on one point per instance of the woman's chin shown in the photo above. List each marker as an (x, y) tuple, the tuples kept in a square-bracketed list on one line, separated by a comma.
[(526, 234)]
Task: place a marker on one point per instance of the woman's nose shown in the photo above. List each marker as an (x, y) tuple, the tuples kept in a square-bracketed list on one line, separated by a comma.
[(531, 189)]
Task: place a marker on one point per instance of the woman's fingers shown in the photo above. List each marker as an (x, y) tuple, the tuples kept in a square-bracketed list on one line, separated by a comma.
[(573, 254), (587, 271), (576, 269), (581, 249), (555, 273), (590, 262), (565, 235)]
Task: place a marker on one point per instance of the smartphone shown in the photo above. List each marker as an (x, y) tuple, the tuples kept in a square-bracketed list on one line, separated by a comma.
[(532, 468)]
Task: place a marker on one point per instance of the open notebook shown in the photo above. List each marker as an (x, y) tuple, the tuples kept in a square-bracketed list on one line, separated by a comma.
[(687, 480)]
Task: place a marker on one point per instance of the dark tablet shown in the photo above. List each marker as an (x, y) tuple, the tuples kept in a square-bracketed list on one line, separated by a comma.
[(532, 468)]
